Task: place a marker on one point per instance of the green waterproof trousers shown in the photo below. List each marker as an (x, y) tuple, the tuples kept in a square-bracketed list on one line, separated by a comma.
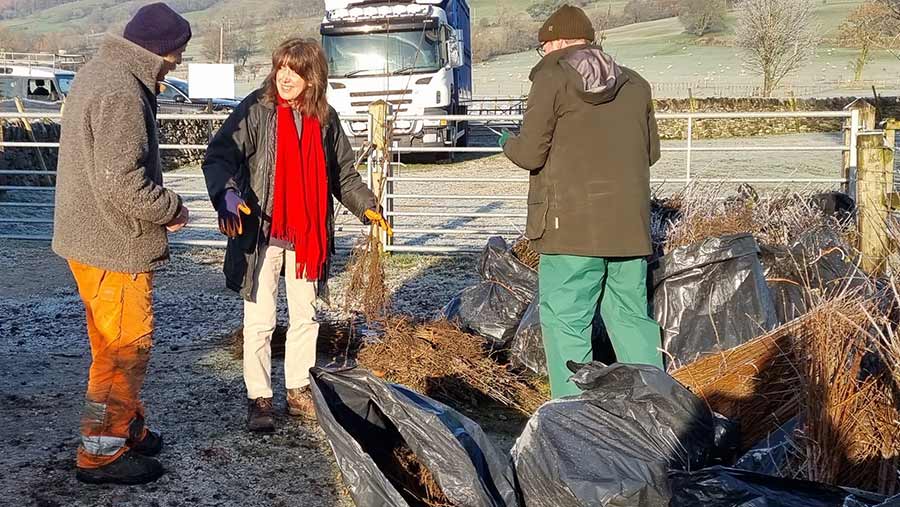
[(570, 289)]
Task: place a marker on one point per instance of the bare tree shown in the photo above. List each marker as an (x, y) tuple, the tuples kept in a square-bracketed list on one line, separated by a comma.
[(245, 45), (7, 40), (868, 27), (279, 31), (778, 37), (702, 16), (211, 47), (639, 11), (893, 6), (541, 10), (602, 23)]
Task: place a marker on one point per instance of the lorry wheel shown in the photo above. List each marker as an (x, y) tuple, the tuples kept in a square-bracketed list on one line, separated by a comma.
[(463, 141)]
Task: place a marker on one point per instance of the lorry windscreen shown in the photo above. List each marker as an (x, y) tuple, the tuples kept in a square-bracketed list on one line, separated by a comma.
[(382, 53)]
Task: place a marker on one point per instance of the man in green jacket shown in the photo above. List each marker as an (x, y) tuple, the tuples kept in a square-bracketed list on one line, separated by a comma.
[(588, 139)]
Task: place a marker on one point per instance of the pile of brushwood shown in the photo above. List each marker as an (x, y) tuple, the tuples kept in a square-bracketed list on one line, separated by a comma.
[(781, 386)]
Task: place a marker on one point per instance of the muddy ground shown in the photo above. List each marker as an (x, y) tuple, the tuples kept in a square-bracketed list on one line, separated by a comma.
[(194, 390)]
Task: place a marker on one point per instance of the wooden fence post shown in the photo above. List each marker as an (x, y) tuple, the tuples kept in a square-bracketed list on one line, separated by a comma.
[(890, 131), (380, 136), (865, 121), (26, 124), (875, 197)]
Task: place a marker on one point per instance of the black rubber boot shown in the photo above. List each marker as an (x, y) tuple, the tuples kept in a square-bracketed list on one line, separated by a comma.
[(150, 445), (130, 468)]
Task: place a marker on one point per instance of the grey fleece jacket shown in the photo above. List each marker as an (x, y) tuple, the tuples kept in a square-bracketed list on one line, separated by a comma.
[(111, 207)]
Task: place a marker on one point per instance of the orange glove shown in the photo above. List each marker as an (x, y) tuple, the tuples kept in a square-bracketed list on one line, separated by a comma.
[(376, 218), (230, 223)]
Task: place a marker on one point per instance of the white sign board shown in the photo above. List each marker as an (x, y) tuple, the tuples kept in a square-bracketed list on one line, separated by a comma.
[(211, 81)]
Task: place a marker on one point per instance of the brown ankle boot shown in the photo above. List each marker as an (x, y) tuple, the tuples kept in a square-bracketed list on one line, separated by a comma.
[(260, 416), (300, 403)]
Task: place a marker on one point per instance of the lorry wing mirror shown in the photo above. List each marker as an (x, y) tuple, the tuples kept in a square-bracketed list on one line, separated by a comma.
[(455, 49)]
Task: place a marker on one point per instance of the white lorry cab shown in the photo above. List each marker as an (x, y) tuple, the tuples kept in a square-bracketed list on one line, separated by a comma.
[(414, 54)]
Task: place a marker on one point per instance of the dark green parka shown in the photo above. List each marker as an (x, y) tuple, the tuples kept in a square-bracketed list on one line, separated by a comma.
[(589, 138)]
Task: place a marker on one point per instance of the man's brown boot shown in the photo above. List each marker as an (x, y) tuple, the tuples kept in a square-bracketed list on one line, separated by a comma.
[(260, 416), (300, 403)]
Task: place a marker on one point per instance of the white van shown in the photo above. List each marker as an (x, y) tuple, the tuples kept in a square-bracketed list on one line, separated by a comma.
[(34, 83), (36, 77)]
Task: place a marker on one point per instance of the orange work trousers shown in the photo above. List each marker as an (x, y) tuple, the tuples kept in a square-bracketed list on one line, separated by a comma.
[(119, 308)]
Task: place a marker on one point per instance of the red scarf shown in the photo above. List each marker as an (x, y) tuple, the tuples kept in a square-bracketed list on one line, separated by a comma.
[(301, 191)]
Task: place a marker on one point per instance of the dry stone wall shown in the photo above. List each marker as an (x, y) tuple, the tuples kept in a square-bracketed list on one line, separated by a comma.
[(198, 132), (185, 132), (723, 128), (27, 159)]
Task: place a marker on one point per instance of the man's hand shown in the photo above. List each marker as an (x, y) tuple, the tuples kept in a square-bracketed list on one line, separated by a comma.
[(180, 220), (376, 218), (230, 222)]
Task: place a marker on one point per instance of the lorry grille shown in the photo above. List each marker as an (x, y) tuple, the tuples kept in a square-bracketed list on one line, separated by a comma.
[(392, 102), (366, 111), (384, 93)]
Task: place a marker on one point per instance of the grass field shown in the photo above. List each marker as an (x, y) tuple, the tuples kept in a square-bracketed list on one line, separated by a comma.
[(663, 53)]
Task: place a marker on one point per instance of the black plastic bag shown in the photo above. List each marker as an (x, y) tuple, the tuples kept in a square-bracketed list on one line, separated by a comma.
[(726, 487), (726, 441), (711, 296), (498, 264), (772, 455), (494, 307), (487, 309), (819, 261), (368, 422), (527, 347), (893, 501), (614, 444), (834, 204)]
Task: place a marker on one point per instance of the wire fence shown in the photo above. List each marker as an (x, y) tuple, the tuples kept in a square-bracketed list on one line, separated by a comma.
[(468, 206)]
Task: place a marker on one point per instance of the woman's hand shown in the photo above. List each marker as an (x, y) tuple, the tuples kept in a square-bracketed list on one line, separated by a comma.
[(230, 222), (376, 218)]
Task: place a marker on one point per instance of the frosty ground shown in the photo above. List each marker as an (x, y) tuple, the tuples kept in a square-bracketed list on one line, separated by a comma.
[(194, 390)]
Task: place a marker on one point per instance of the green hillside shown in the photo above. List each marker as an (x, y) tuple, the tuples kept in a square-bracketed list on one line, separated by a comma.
[(659, 49), (102, 14)]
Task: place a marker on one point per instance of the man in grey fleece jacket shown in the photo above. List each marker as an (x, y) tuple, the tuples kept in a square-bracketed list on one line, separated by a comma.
[(111, 224)]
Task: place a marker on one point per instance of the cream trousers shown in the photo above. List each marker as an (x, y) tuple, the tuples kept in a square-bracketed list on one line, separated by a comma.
[(259, 324)]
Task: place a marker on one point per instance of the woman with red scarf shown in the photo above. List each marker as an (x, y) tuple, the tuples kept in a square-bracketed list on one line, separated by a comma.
[(273, 171)]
